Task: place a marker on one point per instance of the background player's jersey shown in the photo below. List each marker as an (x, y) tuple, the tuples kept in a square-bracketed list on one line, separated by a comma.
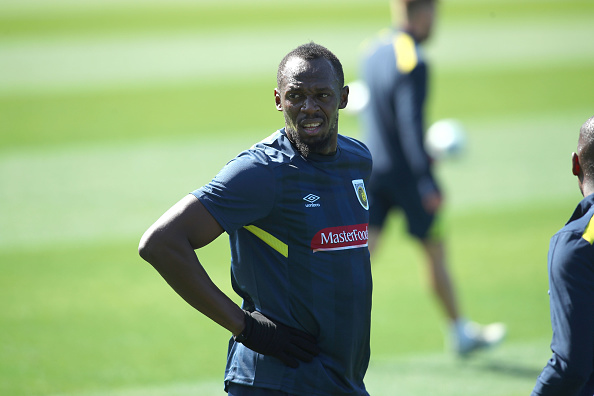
[(395, 72), (298, 234)]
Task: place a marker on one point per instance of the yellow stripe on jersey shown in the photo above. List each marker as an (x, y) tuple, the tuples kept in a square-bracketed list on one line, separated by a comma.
[(588, 234), (269, 239), (406, 53)]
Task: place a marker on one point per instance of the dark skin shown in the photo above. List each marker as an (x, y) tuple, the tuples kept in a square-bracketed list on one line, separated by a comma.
[(169, 246), (309, 97), (585, 185), (419, 20)]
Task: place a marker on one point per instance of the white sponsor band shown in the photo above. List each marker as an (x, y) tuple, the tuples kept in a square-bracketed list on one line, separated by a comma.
[(344, 236)]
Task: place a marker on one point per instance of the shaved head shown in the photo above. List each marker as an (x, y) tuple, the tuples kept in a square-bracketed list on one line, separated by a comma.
[(582, 162), (585, 149), (309, 51)]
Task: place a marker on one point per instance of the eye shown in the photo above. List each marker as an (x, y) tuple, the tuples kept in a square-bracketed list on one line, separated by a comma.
[(324, 95), (293, 96)]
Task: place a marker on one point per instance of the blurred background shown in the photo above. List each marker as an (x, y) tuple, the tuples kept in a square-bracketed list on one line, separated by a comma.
[(111, 111)]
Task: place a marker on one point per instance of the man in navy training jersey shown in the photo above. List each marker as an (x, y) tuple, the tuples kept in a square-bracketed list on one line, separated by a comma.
[(570, 371), (395, 72), (296, 211)]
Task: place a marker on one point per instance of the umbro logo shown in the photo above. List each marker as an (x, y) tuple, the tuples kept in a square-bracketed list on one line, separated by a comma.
[(311, 198)]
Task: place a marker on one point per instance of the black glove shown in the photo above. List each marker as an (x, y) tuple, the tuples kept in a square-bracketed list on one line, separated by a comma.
[(264, 336)]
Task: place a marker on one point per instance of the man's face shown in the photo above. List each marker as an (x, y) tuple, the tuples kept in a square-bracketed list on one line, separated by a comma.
[(309, 96), (424, 21)]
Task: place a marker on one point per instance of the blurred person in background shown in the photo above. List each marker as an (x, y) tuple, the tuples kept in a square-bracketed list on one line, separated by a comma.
[(570, 371), (395, 73)]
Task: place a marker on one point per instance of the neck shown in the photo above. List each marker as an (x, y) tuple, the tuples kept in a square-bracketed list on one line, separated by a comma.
[(409, 28), (586, 185)]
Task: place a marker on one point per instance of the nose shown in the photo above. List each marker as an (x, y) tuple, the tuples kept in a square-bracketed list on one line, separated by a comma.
[(309, 105)]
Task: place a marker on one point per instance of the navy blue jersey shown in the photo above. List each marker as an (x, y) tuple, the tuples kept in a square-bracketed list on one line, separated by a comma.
[(570, 371), (395, 71), (298, 233)]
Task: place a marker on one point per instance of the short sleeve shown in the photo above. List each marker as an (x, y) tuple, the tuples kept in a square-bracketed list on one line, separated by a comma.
[(241, 193)]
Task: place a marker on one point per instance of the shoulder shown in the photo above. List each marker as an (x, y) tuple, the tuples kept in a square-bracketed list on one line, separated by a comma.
[(581, 225), (354, 147), (572, 247), (396, 49), (257, 163), (273, 151), (409, 55)]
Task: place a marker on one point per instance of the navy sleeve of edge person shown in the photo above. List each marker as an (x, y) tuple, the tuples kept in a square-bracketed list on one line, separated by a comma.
[(298, 234), (570, 371)]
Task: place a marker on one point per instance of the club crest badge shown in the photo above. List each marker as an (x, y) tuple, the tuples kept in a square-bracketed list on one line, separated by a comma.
[(359, 187)]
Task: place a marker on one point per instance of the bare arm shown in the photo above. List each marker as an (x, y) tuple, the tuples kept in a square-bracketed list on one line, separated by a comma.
[(169, 244)]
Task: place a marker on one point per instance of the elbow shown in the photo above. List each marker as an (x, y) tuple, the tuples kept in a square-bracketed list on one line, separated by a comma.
[(149, 246), (158, 247), (143, 249)]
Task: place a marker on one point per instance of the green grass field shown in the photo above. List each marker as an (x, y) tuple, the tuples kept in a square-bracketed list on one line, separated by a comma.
[(112, 111)]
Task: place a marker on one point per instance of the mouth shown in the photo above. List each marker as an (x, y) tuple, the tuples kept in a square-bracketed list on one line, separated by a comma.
[(311, 127)]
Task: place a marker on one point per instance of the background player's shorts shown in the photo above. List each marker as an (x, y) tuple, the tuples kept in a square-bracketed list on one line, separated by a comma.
[(385, 195), (242, 390)]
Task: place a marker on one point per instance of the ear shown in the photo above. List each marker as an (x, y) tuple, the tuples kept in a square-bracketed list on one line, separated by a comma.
[(576, 168), (344, 97), (277, 99)]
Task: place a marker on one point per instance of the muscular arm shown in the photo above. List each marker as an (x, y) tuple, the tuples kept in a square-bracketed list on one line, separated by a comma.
[(169, 244)]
